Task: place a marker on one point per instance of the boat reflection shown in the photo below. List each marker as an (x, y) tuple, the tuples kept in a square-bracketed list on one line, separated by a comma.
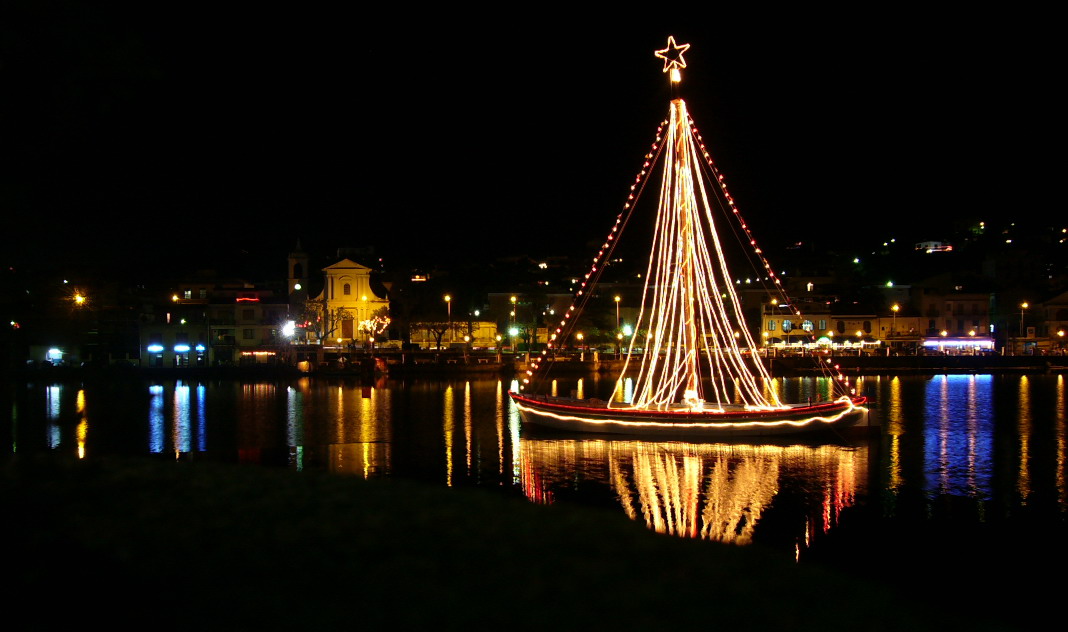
[(712, 491)]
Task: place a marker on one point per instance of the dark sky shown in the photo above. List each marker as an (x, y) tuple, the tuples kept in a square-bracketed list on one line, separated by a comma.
[(192, 131)]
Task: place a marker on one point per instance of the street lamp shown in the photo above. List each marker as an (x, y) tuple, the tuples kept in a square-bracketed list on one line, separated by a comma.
[(893, 323), (1023, 306), (617, 312), (448, 306)]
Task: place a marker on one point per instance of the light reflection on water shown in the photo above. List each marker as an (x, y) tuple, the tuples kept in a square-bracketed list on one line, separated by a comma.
[(986, 439), (959, 433), (711, 491)]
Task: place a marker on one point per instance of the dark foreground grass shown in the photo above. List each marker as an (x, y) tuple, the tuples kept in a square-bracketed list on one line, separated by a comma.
[(199, 546)]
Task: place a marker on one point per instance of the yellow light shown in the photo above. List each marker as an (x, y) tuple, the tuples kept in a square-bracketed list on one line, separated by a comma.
[(79, 299), (447, 298)]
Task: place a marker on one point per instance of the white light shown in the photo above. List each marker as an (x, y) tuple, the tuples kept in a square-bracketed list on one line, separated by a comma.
[(155, 348), (289, 328), (181, 348)]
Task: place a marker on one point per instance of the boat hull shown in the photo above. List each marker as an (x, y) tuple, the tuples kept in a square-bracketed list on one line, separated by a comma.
[(595, 417)]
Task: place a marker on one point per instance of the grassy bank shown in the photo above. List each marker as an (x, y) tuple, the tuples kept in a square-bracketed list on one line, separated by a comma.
[(162, 544)]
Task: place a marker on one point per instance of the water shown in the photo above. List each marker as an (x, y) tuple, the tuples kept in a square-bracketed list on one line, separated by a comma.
[(968, 471)]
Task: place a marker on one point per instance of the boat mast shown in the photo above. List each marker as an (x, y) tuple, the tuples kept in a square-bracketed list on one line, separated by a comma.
[(683, 196)]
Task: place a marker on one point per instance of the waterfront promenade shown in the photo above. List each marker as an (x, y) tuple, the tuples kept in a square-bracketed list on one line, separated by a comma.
[(492, 365)]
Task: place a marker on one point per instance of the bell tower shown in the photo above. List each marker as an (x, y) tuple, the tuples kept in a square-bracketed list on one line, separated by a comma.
[(297, 285)]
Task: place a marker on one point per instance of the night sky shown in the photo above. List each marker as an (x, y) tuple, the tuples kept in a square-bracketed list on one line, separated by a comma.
[(190, 133)]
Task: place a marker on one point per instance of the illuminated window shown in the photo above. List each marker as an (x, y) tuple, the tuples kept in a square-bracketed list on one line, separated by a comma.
[(188, 294), (346, 289), (823, 324), (771, 325), (787, 326), (807, 325)]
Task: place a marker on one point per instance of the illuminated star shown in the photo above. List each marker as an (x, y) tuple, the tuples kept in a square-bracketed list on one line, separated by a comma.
[(672, 55)]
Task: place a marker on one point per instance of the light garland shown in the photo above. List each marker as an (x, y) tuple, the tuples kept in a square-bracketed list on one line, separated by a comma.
[(849, 408), (689, 304), (594, 274), (757, 250)]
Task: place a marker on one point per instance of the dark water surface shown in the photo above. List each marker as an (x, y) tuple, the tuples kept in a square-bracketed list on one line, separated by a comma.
[(962, 490)]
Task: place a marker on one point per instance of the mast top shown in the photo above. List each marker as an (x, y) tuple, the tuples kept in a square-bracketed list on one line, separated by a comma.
[(673, 60)]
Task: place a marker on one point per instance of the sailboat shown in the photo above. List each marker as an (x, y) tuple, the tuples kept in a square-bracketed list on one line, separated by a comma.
[(694, 367)]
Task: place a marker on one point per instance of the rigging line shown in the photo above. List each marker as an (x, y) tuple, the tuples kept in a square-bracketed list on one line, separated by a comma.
[(725, 195), (622, 218)]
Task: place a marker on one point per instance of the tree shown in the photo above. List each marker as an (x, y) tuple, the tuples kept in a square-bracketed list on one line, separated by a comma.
[(322, 319), (376, 324), (438, 328)]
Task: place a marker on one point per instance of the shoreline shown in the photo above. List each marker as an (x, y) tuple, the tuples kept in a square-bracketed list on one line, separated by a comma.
[(779, 367)]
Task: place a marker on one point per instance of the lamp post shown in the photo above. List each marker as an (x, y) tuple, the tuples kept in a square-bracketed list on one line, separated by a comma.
[(617, 312), (1023, 306), (893, 325), (448, 306)]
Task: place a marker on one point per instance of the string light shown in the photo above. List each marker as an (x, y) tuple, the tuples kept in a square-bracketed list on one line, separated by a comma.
[(687, 267)]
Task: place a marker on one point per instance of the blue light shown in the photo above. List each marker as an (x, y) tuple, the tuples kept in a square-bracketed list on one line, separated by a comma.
[(155, 348), (181, 348), (200, 348), (981, 343)]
